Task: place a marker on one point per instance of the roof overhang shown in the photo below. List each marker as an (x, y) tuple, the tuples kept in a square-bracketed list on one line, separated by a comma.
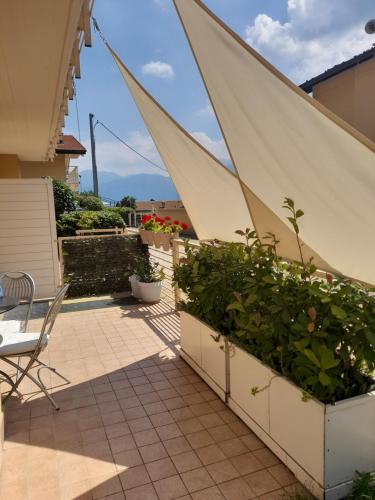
[(40, 43)]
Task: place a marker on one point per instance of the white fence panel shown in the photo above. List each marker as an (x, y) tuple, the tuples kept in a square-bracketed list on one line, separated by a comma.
[(28, 232)]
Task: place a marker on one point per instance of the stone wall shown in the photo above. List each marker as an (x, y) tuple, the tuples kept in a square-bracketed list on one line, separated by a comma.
[(97, 265)]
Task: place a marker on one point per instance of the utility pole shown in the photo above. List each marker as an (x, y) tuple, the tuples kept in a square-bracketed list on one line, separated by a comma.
[(93, 157)]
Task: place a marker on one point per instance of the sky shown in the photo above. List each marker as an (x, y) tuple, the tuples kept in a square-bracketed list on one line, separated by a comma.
[(301, 38)]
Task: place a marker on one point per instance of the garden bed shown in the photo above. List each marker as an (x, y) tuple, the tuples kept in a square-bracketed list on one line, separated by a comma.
[(323, 444)]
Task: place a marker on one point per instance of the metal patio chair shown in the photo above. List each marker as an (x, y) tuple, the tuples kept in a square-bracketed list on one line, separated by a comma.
[(29, 345), (21, 286)]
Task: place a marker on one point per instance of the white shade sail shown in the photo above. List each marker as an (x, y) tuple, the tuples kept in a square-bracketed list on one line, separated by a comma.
[(211, 194), (283, 143)]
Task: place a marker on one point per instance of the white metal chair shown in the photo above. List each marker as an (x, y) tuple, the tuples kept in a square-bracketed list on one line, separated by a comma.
[(21, 286), (29, 345)]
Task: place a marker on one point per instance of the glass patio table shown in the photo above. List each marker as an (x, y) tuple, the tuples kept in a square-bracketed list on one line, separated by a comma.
[(8, 303)]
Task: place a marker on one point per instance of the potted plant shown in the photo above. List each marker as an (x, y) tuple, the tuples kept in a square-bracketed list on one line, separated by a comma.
[(134, 283), (150, 278), (160, 232), (299, 353)]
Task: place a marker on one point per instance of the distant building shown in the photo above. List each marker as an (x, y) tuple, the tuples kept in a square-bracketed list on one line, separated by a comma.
[(348, 89)]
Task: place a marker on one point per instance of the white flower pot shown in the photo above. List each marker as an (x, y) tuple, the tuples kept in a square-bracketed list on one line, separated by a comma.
[(323, 445), (134, 283), (205, 351), (150, 292)]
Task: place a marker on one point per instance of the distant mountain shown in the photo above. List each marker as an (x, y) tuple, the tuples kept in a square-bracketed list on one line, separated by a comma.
[(141, 186)]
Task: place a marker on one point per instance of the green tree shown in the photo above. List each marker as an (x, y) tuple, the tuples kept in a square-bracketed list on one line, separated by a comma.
[(91, 203), (65, 198), (129, 202)]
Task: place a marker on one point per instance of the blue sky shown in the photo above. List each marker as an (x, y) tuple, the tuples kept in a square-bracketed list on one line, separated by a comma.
[(300, 37)]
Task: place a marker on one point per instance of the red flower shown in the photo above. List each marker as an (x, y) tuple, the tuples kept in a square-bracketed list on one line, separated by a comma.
[(167, 217), (153, 215), (158, 219), (177, 222), (184, 226)]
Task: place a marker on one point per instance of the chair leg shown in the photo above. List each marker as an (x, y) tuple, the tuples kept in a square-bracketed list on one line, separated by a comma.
[(24, 373), (43, 365)]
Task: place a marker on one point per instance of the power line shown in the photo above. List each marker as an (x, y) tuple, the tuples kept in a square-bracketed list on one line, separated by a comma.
[(130, 147), (77, 111)]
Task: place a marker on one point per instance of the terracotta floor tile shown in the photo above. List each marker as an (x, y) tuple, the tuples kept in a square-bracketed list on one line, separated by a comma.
[(104, 486), (161, 469), (177, 445), (153, 452), (266, 457), (222, 471), (233, 447), (210, 454), (262, 482), (127, 459), (273, 495), (168, 431), (122, 443), (191, 425), (136, 476), (145, 492), (170, 488), (140, 424), (221, 433), (236, 489), (146, 437), (161, 419), (212, 493), (282, 474), (246, 463), (197, 479), (199, 439), (117, 430), (186, 461), (252, 442)]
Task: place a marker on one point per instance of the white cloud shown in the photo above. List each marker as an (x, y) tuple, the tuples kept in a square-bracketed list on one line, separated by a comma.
[(317, 35), (162, 4), (158, 69), (206, 110), (216, 147), (113, 156)]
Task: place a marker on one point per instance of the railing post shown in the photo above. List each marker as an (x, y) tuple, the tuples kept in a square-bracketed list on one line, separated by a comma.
[(175, 261)]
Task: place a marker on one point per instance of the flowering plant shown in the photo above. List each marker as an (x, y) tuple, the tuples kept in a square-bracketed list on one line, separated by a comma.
[(158, 225)]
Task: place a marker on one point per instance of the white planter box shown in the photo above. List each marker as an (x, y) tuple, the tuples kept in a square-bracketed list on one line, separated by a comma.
[(323, 445), (204, 353), (246, 373)]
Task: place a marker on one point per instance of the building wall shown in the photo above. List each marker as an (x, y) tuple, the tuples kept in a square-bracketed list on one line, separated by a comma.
[(9, 167), (351, 95), (56, 169)]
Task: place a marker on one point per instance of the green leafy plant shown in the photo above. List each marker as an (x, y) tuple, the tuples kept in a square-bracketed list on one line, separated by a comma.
[(317, 331), (69, 222), (363, 487), (148, 272), (64, 197), (129, 202), (92, 203)]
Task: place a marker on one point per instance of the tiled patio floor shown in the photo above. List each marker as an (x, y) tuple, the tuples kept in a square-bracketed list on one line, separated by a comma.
[(136, 422)]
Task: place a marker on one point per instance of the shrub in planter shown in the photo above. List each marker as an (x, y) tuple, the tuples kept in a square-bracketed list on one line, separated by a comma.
[(150, 277), (318, 332)]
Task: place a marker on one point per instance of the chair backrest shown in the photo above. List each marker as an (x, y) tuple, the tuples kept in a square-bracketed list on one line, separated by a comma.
[(53, 311), (21, 286)]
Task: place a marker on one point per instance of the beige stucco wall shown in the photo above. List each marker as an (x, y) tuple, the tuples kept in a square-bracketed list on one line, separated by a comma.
[(36, 169), (9, 167), (351, 95)]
